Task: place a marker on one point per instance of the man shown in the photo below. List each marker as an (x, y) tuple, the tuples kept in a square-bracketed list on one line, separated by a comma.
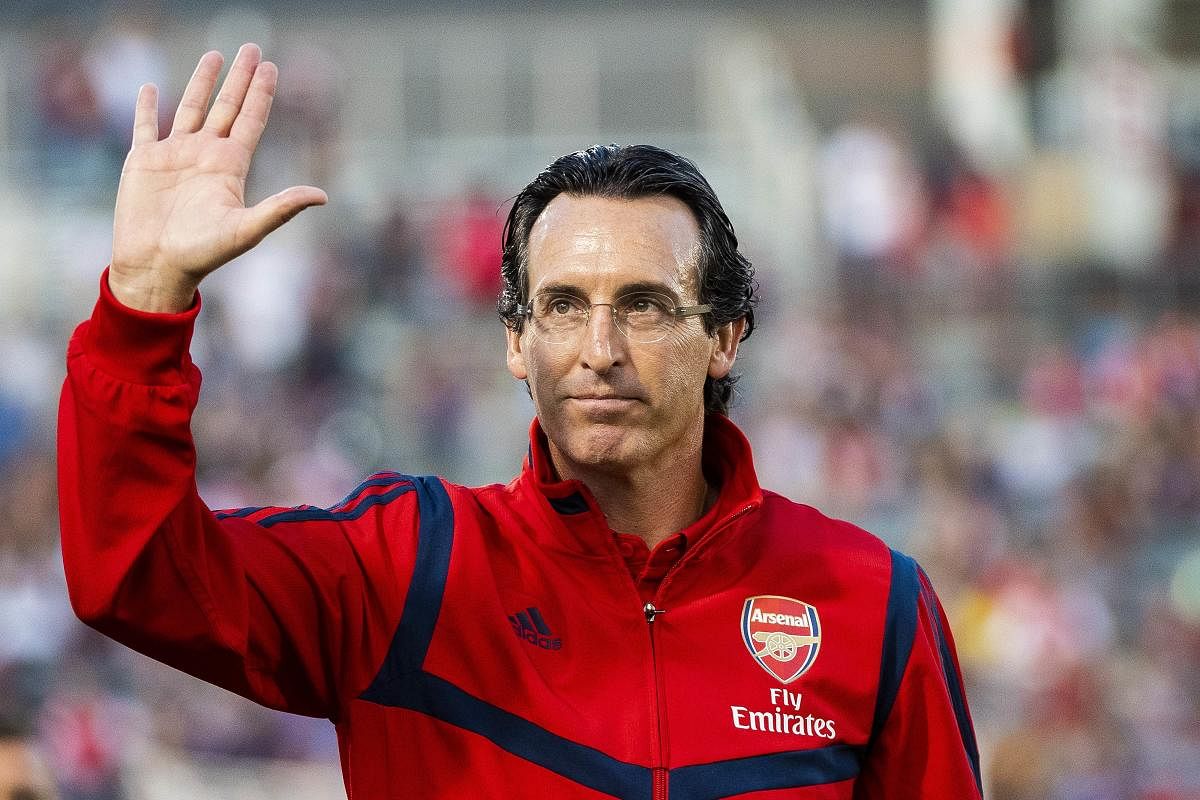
[(632, 616)]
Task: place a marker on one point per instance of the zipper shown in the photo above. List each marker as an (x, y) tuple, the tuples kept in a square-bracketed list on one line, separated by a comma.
[(659, 772), (652, 612)]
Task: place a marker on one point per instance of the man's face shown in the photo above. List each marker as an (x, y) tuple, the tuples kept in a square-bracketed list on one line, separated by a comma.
[(604, 401)]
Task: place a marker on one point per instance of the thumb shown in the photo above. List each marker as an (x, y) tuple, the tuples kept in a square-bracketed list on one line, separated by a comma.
[(273, 211)]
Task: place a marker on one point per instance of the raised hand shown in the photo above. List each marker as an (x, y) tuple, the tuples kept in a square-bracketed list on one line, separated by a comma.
[(181, 210)]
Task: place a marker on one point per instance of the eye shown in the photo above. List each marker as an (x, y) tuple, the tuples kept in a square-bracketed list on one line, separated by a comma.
[(646, 304), (559, 306)]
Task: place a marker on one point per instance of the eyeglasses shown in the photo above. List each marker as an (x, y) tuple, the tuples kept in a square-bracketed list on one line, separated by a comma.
[(642, 317)]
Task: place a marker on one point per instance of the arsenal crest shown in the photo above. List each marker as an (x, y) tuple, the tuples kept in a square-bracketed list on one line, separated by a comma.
[(782, 634)]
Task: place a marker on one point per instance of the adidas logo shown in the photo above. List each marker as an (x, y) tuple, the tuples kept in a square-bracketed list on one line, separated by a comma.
[(529, 626)]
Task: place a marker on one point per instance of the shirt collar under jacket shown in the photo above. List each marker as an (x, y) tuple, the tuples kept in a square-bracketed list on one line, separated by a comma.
[(727, 463)]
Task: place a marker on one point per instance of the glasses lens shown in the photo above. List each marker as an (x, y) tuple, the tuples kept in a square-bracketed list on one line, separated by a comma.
[(644, 317), (558, 318)]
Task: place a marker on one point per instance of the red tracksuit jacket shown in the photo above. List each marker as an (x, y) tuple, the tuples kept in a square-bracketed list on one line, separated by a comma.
[(490, 642)]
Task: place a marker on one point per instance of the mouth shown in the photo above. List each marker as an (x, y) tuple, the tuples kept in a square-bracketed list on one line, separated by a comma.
[(603, 405), (602, 396)]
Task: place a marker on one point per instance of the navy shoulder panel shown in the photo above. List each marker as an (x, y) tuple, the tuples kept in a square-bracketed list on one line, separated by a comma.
[(900, 628), (423, 602)]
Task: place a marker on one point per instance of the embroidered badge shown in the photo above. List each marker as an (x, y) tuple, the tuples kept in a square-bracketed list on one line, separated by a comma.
[(782, 634)]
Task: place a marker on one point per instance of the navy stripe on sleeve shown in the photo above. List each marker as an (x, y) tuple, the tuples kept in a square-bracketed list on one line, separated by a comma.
[(379, 479), (958, 697), (238, 512), (348, 508), (900, 629), (325, 515)]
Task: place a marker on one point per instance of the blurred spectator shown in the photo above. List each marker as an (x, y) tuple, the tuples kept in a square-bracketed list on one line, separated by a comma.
[(127, 53), (469, 247), (305, 116), (66, 93), (388, 266), (23, 775), (872, 203), (969, 237), (71, 125), (81, 731)]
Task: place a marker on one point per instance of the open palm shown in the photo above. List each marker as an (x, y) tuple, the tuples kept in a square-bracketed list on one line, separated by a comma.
[(180, 211)]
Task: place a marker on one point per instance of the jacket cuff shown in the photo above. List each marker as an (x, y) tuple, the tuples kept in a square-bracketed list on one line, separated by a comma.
[(139, 346)]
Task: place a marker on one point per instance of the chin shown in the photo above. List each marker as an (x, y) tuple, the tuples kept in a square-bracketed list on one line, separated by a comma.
[(599, 445)]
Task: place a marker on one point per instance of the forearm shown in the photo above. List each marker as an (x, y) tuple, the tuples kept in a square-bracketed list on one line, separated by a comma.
[(235, 600), (147, 563), (126, 459)]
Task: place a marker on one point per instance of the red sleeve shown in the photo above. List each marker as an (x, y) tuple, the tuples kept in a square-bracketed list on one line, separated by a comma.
[(293, 608), (924, 745)]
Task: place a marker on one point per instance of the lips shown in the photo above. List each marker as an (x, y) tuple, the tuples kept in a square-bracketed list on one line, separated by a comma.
[(602, 397), (603, 405)]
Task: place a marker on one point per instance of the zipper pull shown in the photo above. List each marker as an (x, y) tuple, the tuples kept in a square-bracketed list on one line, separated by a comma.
[(651, 612)]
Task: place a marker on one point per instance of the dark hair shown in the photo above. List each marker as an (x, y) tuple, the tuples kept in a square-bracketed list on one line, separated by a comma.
[(726, 277)]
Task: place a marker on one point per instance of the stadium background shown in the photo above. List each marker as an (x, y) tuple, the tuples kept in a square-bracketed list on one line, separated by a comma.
[(976, 225)]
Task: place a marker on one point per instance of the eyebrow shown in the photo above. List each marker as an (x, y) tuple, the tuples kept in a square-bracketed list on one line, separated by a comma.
[(625, 288)]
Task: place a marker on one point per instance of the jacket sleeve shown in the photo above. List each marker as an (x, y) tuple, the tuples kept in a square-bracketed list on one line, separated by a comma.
[(293, 608), (923, 745)]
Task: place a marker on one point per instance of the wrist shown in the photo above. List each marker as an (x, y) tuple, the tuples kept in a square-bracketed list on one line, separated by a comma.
[(153, 292), (134, 346)]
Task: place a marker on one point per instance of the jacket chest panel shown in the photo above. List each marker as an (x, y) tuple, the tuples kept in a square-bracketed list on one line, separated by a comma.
[(771, 652), (559, 641), (724, 677)]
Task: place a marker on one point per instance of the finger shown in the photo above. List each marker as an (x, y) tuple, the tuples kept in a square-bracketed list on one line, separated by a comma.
[(233, 90), (252, 119), (190, 114), (145, 115), (277, 209)]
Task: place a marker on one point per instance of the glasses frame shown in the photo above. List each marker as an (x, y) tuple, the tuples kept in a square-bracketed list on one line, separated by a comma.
[(525, 310)]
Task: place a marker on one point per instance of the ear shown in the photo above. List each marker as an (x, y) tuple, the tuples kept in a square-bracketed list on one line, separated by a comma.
[(726, 340), (516, 356)]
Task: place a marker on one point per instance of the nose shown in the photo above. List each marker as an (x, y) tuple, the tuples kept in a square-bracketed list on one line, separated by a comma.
[(603, 346)]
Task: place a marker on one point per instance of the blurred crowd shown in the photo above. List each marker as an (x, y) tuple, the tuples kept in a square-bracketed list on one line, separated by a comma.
[(1031, 435)]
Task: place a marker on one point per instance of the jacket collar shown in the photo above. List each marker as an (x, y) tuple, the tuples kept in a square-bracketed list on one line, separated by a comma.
[(727, 463)]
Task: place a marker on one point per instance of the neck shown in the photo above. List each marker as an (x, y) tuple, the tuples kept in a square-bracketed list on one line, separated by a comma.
[(651, 500)]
